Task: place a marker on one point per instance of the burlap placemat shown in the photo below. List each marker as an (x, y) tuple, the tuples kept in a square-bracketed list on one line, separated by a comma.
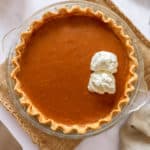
[(45, 141)]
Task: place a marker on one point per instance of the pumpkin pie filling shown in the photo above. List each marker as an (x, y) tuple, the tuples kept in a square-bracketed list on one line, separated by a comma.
[(54, 69)]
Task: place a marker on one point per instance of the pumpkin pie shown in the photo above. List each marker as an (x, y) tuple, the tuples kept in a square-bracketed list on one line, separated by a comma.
[(52, 69)]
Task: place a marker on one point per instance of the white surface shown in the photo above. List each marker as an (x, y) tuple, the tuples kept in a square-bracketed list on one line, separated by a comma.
[(13, 12), (139, 13)]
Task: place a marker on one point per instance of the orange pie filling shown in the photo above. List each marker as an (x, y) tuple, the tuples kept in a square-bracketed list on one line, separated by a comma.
[(55, 68)]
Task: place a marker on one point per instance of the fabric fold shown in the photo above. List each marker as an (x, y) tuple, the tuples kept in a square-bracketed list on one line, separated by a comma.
[(135, 133)]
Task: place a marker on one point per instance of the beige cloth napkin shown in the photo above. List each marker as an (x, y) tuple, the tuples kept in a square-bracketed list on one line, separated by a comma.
[(6, 137), (135, 134)]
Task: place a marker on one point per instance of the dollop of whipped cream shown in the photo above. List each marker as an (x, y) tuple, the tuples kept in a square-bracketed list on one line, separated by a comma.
[(103, 60), (102, 82), (103, 64)]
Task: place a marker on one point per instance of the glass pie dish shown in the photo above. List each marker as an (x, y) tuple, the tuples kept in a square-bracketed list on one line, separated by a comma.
[(13, 38)]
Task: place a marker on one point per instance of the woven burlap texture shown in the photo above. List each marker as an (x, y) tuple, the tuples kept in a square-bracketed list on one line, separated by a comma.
[(45, 141)]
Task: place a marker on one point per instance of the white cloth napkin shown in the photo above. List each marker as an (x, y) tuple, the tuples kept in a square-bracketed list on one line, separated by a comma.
[(135, 133)]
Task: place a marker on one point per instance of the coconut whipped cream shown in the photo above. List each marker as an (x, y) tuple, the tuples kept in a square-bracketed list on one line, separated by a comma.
[(102, 80), (103, 60)]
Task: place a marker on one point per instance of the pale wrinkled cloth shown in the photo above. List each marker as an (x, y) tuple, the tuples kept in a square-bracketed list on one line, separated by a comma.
[(135, 133)]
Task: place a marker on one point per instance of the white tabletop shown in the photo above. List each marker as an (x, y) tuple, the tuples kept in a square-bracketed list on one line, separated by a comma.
[(13, 12)]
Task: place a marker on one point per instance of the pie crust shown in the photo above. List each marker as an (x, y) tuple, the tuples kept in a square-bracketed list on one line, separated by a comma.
[(33, 111)]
